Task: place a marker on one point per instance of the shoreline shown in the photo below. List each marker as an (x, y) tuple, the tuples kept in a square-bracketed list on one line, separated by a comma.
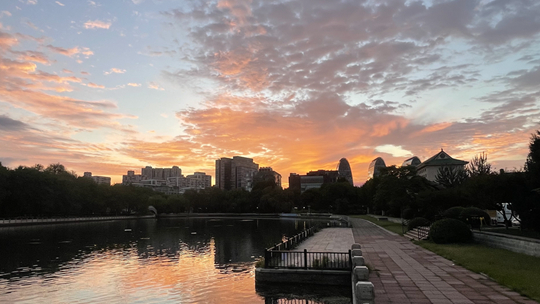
[(48, 221)]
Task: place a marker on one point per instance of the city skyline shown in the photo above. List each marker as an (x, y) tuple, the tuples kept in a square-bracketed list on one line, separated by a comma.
[(108, 87)]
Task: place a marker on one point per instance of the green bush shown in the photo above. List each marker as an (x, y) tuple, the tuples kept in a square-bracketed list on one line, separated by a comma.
[(454, 212), (408, 213), (471, 216), (449, 231), (417, 222)]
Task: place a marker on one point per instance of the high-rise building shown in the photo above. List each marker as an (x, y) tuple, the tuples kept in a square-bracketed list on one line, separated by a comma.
[(267, 174), (413, 161), (344, 170), (375, 167), (235, 173), (200, 180), (294, 181), (223, 173), (131, 178), (102, 180)]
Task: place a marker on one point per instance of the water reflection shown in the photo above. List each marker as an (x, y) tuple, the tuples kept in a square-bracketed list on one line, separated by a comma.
[(159, 261)]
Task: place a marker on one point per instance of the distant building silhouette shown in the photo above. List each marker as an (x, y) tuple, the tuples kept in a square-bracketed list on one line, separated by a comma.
[(294, 181), (344, 170), (102, 180), (160, 173), (413, 161), (430, 167), (315, 179), (375, 167), (267, 174), (167, 180), (235, 173), (131, 178)]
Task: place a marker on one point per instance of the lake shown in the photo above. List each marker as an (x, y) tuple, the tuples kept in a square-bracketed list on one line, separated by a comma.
[(175, 260)]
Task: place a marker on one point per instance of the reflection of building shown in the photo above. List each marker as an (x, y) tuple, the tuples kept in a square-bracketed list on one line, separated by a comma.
[(375, 167), (413, 161), (102, 180), (344, 170), (235, 173), (431, 166), (267, 174)]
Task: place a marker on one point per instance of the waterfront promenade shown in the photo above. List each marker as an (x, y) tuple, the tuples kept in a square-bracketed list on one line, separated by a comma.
[(403, 272)]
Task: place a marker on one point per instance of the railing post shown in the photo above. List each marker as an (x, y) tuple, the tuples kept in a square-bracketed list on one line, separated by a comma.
[(350, 259), (266, 258), (305, 258)]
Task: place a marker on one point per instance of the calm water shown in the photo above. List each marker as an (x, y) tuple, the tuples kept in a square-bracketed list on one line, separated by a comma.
[(160, 261)]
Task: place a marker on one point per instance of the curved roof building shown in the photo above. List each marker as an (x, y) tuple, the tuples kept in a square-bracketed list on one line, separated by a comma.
[(375, 166), (344, 170), (413, 161)]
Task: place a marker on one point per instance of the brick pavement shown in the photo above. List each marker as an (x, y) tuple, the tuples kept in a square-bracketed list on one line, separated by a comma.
[(403, 272), (329, 240)]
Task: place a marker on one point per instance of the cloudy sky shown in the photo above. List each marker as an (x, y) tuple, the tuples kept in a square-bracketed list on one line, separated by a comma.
[(110, 86)]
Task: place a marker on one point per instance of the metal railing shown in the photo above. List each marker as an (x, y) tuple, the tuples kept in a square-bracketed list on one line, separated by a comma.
[(423, 232), (293, 241), (307, 260)]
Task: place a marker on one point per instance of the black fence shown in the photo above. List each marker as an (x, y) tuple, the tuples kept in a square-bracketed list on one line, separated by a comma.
[(293, 241), (307, 260)]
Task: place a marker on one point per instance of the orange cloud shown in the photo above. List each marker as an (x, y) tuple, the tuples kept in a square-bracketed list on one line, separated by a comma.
[(97, 24), (155, 86), (382, 129), (93, 85), (114, 71), (434, 128), (70, 52)]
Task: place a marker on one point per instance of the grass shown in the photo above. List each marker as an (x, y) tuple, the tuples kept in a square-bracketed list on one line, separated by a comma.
[(394, 227), (517, 271)]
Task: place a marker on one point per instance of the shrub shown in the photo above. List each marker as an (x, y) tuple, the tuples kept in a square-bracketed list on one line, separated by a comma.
[(259, 263), (470, 215), (417, 222), (449, 231), (408, 213), (454, 212)]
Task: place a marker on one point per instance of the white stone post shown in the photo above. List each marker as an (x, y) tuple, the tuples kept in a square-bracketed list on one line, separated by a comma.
[(364, 293)]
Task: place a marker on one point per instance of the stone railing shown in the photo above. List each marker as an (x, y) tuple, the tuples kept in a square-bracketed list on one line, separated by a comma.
[(362, 290)]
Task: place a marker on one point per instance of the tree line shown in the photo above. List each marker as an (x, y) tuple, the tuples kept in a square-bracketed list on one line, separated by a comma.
[(398, 191)]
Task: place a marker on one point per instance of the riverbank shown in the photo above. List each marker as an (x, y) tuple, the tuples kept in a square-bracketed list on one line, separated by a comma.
[(47, 221)]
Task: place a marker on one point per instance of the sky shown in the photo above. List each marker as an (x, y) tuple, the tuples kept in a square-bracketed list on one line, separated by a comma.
[(117, 85)]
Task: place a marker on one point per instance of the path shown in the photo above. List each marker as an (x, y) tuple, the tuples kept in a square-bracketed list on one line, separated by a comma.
[(329, 240), (403, 272)]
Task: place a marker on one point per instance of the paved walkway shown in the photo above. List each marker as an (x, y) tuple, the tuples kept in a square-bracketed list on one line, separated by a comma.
[(403, 272), (329, 240)]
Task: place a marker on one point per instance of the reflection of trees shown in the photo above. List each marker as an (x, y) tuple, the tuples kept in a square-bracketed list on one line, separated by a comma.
[(51, 246)]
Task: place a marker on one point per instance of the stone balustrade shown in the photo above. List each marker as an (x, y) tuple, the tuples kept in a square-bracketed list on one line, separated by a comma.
[(362, 290)]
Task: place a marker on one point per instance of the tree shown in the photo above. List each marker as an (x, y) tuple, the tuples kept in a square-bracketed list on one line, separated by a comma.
[(479, 165), (52, 168), (532, 164), (450, 176), (398, 189)]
